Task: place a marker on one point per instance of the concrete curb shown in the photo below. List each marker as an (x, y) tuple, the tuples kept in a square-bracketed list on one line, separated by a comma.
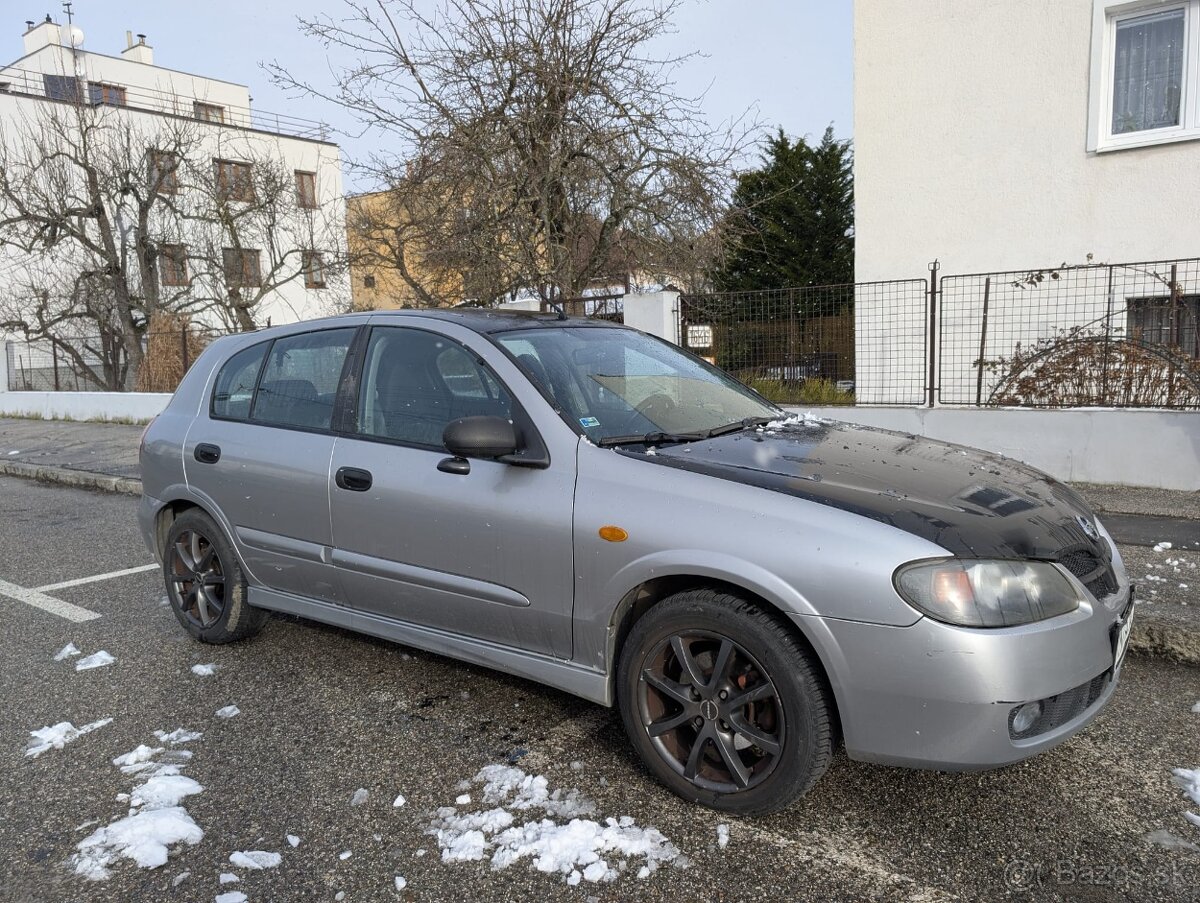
[(80, 479)]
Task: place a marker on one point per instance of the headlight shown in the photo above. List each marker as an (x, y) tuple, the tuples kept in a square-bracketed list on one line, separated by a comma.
[(986, 593)]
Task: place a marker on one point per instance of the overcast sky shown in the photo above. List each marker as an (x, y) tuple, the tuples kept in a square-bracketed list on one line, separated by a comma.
[(789, 59)]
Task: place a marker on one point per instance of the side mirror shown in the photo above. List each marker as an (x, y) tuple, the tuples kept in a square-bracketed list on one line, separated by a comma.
[(480, 437)]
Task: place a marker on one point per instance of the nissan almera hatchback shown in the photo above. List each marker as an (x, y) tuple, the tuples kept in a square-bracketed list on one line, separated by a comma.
[(590, 507)]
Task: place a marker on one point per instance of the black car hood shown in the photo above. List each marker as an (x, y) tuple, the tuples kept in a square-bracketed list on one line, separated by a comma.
[(970, 502)]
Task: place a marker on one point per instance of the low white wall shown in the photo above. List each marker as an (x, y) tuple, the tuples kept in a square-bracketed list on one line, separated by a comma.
[(84, 405), (1158, 449)]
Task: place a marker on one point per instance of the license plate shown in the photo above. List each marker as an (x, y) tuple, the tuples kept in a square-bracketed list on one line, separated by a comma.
[(1122, 631)]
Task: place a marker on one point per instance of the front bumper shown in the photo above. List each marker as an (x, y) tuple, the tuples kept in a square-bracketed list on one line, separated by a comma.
[(935, 696)]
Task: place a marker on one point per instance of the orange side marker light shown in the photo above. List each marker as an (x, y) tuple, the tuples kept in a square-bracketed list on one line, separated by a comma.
[(613, 534)]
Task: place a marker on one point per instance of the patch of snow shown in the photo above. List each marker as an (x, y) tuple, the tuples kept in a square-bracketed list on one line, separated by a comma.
[(1166, 839), (66, 652), (401, 882), (345, 854), (722, 836), (179, 735), (229, 878), (204, 670), (400, 800), (255, 859), (463, 800), (56, 736), (15, 451), (293, 840), (143, 837), (95, 660), (87, 824), (1196, 709), (233, 896), (419, 853), (179, 879), (793, 421), (1162, 546), (136, 756), (228, 711), (576, 766), (164, 791), (575, 850), (360, 796), (340, 895)]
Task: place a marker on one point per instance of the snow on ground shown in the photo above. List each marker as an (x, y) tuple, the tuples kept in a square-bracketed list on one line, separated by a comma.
[(1162, 546), (576, 850), (1196, 708), (345, 854), (360, 796), (179, 735), (155, 822), (95, 660), (401, 882), (400, 800), (255, 859), (56, 736), (229, 878), (233, 896), (66, 652), (228, 711), (722, 836), (293, 840), (204, 670)]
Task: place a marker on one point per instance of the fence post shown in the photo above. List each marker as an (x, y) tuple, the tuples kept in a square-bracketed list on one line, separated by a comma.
[(987, 290), (4, 358), (54, 357), (932, 338), (183, 348)]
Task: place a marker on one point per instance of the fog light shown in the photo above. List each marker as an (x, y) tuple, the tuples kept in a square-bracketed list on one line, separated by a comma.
[(1025, 717)]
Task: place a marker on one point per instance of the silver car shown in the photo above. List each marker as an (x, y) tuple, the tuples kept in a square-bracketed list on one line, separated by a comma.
[(584, 505)]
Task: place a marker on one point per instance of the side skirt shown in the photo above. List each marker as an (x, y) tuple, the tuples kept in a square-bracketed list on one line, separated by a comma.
[(567, 676)]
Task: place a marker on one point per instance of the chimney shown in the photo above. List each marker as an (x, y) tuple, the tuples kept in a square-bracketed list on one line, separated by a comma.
[(43, 34), (141, 52)]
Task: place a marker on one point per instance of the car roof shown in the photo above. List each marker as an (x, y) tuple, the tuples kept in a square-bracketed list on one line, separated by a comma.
[(488, 320)]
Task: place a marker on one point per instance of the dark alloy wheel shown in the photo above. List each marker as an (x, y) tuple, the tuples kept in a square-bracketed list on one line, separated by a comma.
[(712, 711), (205, 584), (196, 578), (725, 702)]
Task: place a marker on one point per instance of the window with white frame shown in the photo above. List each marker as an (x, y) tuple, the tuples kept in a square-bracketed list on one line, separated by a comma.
[(1145, 73)]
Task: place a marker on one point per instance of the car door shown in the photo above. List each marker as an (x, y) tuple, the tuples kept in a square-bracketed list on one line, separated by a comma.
[(261, 453), (486, 553)]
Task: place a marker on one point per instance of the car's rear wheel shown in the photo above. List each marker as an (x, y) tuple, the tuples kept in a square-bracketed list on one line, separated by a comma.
[(724, 704), (205, 583)]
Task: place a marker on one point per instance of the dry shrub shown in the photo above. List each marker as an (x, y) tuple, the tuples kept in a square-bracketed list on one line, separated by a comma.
[(163, 366)]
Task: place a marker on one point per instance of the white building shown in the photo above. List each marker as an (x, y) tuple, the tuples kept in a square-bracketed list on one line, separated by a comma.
[(58, 70), (1015, 136)]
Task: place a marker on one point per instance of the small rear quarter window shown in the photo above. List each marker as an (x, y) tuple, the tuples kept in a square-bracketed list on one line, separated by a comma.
[(235, 383)]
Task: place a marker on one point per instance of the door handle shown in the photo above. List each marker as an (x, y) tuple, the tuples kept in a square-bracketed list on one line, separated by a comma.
[(207, 453), (353, 478)]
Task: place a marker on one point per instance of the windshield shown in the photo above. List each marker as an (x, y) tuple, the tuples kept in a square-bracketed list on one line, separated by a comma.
[(618, 385)]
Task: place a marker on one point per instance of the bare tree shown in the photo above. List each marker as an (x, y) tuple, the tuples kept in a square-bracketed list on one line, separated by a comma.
[(540, 141), (109, 219)]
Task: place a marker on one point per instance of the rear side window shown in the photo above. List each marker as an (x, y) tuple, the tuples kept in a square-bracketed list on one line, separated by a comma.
[(300, 379), (235, 383)]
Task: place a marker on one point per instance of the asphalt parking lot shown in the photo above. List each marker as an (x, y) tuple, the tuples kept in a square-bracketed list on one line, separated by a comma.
[(325, 713)]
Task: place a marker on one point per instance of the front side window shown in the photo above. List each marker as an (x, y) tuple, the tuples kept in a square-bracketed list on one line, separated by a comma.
[(300, 380), (234, 389), (615, 382), (415, 382)]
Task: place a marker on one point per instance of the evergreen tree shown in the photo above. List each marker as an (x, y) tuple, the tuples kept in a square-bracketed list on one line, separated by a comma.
[(795, 218)]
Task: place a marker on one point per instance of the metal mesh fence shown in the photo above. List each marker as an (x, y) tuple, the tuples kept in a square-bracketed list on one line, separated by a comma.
[(1113, 335), (101, 363), (830, 344)]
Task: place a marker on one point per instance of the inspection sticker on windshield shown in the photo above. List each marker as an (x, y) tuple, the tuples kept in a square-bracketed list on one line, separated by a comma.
[(588, 421)]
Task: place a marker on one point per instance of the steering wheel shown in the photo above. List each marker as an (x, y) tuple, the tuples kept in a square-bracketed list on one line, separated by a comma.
[(652, 407)]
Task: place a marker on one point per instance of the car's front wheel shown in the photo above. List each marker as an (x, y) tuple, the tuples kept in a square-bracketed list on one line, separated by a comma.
[(205, 583), (724, 704)]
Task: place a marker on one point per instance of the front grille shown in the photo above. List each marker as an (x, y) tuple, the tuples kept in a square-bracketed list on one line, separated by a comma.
[(1058, 710), (1093, 572)]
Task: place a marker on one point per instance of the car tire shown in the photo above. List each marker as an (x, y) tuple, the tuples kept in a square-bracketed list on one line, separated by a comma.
[(783, 737), (206, 586)]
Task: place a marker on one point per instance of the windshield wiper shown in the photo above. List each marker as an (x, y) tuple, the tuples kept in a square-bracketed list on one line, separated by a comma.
[(737, 426), (656, 438)]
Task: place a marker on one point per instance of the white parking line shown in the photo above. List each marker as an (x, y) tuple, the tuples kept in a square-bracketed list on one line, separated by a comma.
[(109, 576), (47, 603)]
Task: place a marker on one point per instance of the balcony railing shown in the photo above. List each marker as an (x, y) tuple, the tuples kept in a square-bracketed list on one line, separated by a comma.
[(27, 83)]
